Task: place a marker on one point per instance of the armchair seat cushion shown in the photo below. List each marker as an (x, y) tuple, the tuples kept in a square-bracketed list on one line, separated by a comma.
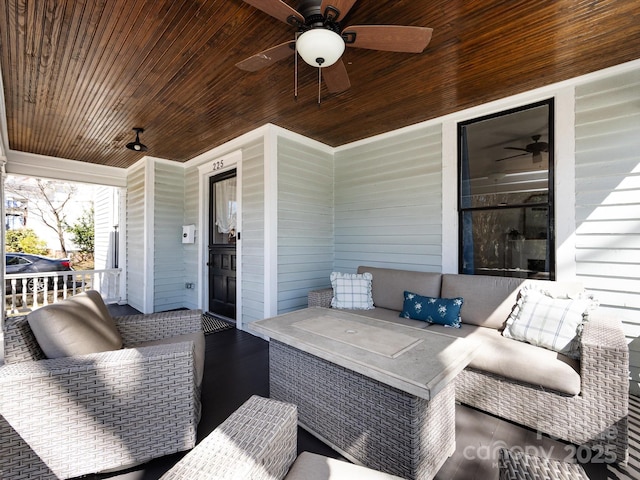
[(76, 326), (198, 340)]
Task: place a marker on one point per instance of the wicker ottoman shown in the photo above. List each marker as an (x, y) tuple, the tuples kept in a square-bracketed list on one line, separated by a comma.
[(258, 441), (520, 466)]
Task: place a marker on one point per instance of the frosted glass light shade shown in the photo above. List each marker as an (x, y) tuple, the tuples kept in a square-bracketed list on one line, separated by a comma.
[(320, 47)]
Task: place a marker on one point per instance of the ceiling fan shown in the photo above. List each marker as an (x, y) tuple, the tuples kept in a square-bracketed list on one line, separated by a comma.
[(320, 39), (536, 148)]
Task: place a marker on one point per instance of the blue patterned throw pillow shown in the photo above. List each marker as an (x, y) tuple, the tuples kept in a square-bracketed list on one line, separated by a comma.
[(443, 311)]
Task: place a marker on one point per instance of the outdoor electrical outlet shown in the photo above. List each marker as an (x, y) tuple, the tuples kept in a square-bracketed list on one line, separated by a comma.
[(188, 285)]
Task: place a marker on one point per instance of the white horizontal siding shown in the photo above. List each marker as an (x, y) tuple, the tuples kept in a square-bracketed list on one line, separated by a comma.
[(135, 238), (388, 203), (190, 250), (252, 231), (608, 200), (168, 218), (305, 222), (105, 218)]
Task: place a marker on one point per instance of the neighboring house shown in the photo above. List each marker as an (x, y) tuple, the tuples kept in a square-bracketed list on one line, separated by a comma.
[(306, 209)]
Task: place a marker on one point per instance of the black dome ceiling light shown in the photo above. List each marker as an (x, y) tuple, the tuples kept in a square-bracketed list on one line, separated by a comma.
[(137, 146)]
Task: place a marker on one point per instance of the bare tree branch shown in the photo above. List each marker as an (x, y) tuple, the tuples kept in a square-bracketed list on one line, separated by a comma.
[(47, 200)]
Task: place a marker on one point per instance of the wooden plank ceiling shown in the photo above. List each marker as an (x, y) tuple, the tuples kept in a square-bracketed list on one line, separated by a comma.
[(79, 75)]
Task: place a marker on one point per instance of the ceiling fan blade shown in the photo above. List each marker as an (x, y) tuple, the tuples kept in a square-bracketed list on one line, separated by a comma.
[(336, 77), (267, 57), (517, 148), (342, 7), (278, 9), (390, 38), (512, 156)]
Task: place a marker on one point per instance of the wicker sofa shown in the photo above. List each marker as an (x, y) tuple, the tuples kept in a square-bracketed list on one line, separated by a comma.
[(584, 401), (66, 417)]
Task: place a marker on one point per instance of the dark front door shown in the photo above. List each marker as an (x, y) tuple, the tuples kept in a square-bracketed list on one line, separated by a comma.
[(222, 244), (222, 280)]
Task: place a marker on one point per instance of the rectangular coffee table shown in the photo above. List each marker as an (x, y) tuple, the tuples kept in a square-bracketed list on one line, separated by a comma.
[(380, 393)]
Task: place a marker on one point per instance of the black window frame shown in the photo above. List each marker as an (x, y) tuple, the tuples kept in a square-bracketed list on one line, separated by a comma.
[(550, 203)]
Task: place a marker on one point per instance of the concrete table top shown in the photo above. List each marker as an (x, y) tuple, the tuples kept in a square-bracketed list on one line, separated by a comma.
[(413, 360)]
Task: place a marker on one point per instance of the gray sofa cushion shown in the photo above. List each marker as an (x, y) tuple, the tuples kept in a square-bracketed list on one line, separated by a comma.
[(518, 360), (488, 300), (389, 285)]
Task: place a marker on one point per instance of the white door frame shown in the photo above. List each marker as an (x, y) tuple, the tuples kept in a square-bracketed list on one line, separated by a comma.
[(207, 170)]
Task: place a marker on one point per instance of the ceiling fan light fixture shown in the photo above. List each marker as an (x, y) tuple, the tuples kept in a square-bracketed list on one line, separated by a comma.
[(136, 146), (320, 47)]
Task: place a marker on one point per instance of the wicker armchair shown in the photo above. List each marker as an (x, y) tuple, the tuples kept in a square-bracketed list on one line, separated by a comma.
[(67, 417)]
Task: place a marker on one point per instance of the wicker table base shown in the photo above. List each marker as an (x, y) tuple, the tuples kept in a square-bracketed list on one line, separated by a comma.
[(367, 421)]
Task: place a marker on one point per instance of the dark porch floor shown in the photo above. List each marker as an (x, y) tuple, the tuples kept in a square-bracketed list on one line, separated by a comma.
[(237, 367)]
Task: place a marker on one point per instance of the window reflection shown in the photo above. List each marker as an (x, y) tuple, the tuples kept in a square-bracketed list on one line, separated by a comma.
[(506, 194)]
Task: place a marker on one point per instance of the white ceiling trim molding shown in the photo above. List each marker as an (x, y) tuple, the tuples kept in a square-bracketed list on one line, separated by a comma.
[(267, 130), (500, 104), (226, 148), (21, 163), (148, 158), (33, 165), (301, 139)]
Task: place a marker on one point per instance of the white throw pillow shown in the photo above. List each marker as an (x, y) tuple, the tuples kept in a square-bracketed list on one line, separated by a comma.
[(352, 290), (551, 322)]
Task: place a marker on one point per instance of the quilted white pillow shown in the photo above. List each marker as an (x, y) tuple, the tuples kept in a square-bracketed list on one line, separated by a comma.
[(550, 322), (352, 290)]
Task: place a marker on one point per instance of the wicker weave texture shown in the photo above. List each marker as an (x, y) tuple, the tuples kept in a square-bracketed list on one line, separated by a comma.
[(320, 298), (379, 426), (154, 326), (20, 345), (596, 418), (77, 415), (258, 442), (521, 466)]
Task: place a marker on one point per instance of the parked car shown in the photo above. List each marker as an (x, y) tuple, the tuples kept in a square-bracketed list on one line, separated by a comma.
[(28, 263)]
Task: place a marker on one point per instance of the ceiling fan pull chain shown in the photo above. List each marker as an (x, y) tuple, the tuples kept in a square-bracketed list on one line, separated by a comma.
[(295, 68), (319, 61), (319, 84)]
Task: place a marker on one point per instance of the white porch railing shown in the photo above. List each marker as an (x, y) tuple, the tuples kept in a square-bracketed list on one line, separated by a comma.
[(26, 292)]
